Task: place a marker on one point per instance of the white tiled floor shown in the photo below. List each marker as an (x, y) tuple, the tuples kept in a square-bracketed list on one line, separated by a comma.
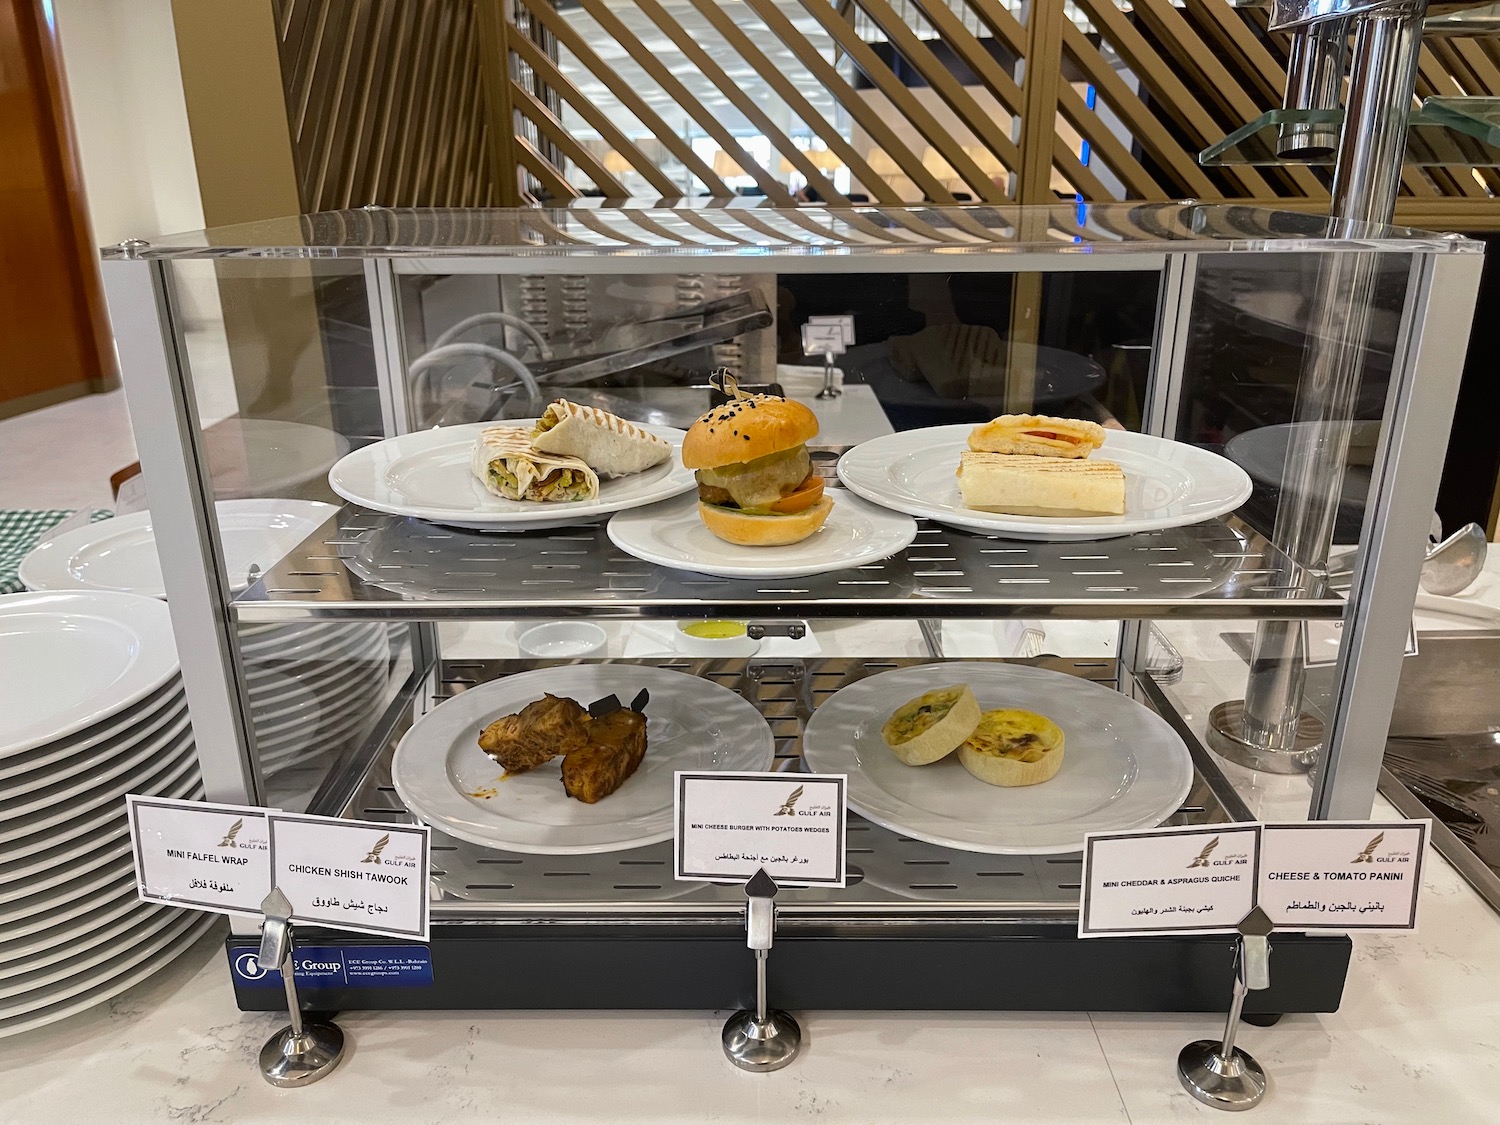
[(63, 456)]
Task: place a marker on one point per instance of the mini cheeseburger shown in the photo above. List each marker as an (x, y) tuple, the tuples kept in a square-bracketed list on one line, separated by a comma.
[(756, 484)]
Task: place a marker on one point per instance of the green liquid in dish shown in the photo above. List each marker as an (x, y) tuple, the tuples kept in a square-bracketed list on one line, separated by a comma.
[(715, 630)]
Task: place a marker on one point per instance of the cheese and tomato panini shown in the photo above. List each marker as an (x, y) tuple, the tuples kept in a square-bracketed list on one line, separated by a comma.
[(1040, 486), (1036, 435)]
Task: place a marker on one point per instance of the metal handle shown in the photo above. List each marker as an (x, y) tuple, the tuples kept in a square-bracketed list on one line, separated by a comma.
[(276, 931), (1255, 963), (760, 923), (759, 630)]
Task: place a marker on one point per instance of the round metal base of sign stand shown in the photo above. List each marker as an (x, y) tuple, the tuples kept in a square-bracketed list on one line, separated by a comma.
[(1234, 1082), (761, 1045), (293, 1059), (1226, 737)]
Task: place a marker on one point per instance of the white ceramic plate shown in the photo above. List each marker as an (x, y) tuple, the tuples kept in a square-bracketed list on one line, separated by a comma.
[(127, 762), (1262, 453), (268, 639), (278, 698), (37, 812), (66, 861), (1123, 766), (333, 651), (100, 987), (281, 698), (120, 554), (351, 693), (1167, 484), (110, 917), (268, 457), (74, 659), (78, 894), (301, 748), (692, 724), (426, 475), (131, 949), (671, 534), (60, 759), (300, 657), (179, 779), (55, 966), (355, 687), (120, 889), (334, 726)]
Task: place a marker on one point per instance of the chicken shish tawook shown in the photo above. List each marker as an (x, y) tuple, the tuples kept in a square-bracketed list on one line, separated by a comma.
[(542, 730), (616, 745), (599, 750)]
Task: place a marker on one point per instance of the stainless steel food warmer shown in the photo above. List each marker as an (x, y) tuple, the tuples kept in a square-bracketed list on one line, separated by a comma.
[(291, 342)]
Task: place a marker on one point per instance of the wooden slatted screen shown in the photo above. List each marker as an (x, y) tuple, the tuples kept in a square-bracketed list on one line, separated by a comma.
[(387, 104), (501, 102)]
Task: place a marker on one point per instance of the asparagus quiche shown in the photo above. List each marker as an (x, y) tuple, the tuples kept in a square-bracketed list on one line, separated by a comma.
[(932, 725), (1011, 748)]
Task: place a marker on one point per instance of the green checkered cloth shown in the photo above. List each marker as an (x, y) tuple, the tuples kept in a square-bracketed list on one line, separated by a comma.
[(20, 529)]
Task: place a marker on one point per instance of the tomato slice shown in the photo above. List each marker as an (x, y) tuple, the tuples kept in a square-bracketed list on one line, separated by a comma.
[(808, 493)]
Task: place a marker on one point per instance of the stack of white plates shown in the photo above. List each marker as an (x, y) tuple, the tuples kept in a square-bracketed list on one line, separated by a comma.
[(311, 687), (91, 708)]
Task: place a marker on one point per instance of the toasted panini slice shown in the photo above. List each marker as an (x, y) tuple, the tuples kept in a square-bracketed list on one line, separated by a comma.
[(1040, 486), (1037, 435)]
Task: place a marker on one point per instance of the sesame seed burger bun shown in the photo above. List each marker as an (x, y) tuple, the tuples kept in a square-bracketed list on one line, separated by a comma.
[(764, 531), (746, 429)]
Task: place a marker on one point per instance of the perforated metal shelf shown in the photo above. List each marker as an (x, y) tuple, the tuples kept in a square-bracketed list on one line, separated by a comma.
[(890, 874), (363, 564)]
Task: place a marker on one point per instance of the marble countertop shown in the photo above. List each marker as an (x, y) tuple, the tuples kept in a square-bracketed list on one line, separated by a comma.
[(1417, 1040)]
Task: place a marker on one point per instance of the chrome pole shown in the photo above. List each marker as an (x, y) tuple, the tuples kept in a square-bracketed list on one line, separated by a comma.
[(1314, 80), (1387, 48), (1268, 731)]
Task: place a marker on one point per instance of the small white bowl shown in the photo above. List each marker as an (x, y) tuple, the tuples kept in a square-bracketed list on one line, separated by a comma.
[(741, 645), (562, 640)]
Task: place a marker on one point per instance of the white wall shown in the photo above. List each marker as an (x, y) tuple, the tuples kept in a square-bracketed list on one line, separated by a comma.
[(129, 117)]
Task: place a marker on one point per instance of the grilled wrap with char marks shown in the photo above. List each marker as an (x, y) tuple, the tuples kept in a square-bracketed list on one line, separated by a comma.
[(510, 466), (611, 445)]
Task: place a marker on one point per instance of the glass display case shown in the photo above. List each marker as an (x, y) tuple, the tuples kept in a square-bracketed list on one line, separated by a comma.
[(306, 395)]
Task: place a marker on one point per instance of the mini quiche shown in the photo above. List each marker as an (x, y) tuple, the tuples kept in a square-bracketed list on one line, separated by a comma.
[(1013, 748), (932, 725)]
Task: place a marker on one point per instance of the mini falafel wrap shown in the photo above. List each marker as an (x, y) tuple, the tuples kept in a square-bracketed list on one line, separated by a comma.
[(508, 465)]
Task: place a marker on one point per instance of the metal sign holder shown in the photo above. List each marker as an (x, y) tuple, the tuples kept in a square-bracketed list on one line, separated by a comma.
[(301, 1054), (1216, 1072), (765, 1039)]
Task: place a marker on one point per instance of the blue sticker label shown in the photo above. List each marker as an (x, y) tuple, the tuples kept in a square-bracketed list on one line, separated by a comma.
[(329, 966)]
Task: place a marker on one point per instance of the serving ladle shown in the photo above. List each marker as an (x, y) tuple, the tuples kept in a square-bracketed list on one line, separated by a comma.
[(1450, 566), (1453, 564)]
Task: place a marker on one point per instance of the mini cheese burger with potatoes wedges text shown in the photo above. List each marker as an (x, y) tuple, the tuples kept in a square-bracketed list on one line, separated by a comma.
[(756, 484)]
